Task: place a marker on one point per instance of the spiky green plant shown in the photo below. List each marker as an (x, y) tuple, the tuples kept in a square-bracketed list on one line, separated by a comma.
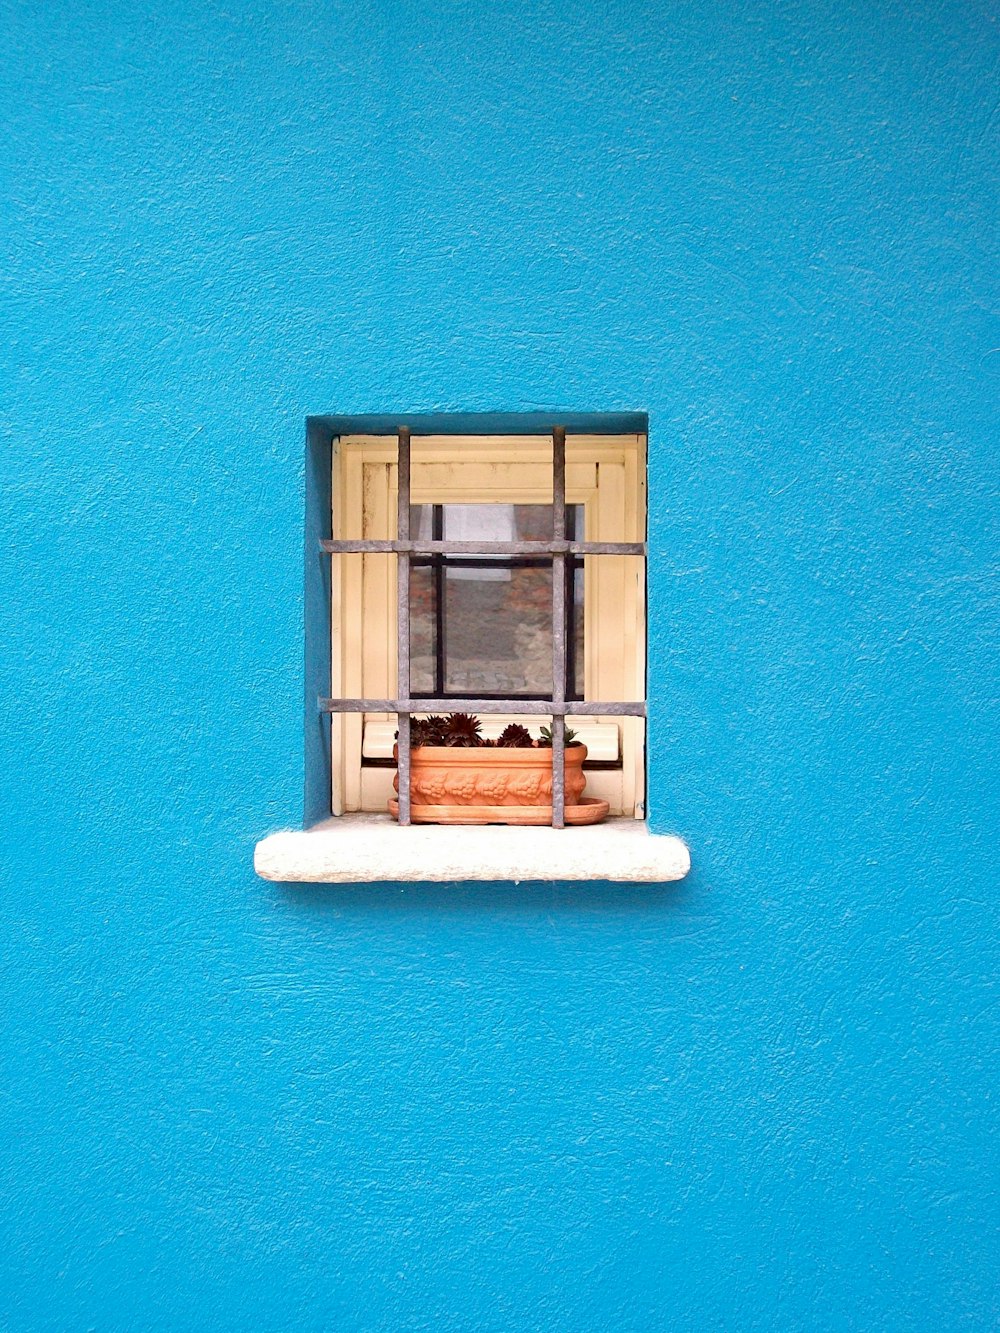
[(545, 737)]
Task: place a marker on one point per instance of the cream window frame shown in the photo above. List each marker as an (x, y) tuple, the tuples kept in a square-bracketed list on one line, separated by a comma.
[(605, 474)]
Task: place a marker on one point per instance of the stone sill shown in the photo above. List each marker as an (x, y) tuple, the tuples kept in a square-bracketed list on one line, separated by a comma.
[(366, 849)]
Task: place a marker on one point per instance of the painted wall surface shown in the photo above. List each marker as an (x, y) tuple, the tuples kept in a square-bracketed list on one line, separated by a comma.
[(761, 1099)]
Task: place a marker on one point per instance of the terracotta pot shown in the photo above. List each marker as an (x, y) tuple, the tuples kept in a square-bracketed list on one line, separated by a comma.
[(492, 786)]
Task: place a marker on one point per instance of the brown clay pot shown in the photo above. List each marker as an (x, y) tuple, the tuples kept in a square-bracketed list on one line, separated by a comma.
[(491, 786)]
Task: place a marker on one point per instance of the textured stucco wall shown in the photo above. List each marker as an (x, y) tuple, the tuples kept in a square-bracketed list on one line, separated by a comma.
[(758, 1100)]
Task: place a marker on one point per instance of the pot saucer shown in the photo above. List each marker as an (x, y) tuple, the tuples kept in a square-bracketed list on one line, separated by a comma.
[(589, 811)]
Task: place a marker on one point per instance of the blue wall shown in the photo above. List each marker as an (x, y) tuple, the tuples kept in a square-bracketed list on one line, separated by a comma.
[(758, 1100)]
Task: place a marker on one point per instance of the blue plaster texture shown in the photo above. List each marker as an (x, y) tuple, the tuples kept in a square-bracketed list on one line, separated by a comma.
[(764, 1099)]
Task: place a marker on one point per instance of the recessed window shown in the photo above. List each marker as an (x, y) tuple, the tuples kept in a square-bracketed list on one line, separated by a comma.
[(496, 481), (481, 621)]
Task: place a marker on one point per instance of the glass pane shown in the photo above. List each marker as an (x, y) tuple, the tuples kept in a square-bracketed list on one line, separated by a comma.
[(575, 659), (492, 634), (421, 629), (498, 631), (492, 522)]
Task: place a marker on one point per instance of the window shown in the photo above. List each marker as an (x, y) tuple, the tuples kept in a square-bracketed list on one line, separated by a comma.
[(479, 480), (481, 621)]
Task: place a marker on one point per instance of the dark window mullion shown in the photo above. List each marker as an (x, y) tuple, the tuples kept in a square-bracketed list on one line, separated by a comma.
[(488, 561), (437, 529), (570, 606), (484, 694)]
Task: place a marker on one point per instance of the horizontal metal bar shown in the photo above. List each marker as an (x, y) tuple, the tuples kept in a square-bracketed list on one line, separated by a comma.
[(589, 765), (534, 707), (372, 547)]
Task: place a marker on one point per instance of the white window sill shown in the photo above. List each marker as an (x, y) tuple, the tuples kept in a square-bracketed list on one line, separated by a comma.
[(363, 849)]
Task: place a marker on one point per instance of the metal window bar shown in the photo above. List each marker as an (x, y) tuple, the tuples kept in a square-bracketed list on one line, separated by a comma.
[(539, 548), (561, 550), (403, 620), (533, 707), (558, 627)]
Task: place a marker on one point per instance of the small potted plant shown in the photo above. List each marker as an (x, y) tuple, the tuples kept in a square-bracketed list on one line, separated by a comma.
[(459, 777)]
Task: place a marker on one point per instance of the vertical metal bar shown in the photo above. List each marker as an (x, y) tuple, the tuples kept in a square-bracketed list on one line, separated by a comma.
[(403, 617), (558, 627)]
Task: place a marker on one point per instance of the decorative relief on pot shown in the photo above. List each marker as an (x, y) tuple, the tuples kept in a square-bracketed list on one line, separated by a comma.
[(479, 784), (442, 776)]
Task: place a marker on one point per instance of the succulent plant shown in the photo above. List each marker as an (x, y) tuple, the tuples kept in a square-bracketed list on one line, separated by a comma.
[(427, 731), (545, 737), (462, 731), (514, 736)]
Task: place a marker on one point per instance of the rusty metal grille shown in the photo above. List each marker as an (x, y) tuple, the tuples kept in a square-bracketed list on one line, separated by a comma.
[(559, 548)]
